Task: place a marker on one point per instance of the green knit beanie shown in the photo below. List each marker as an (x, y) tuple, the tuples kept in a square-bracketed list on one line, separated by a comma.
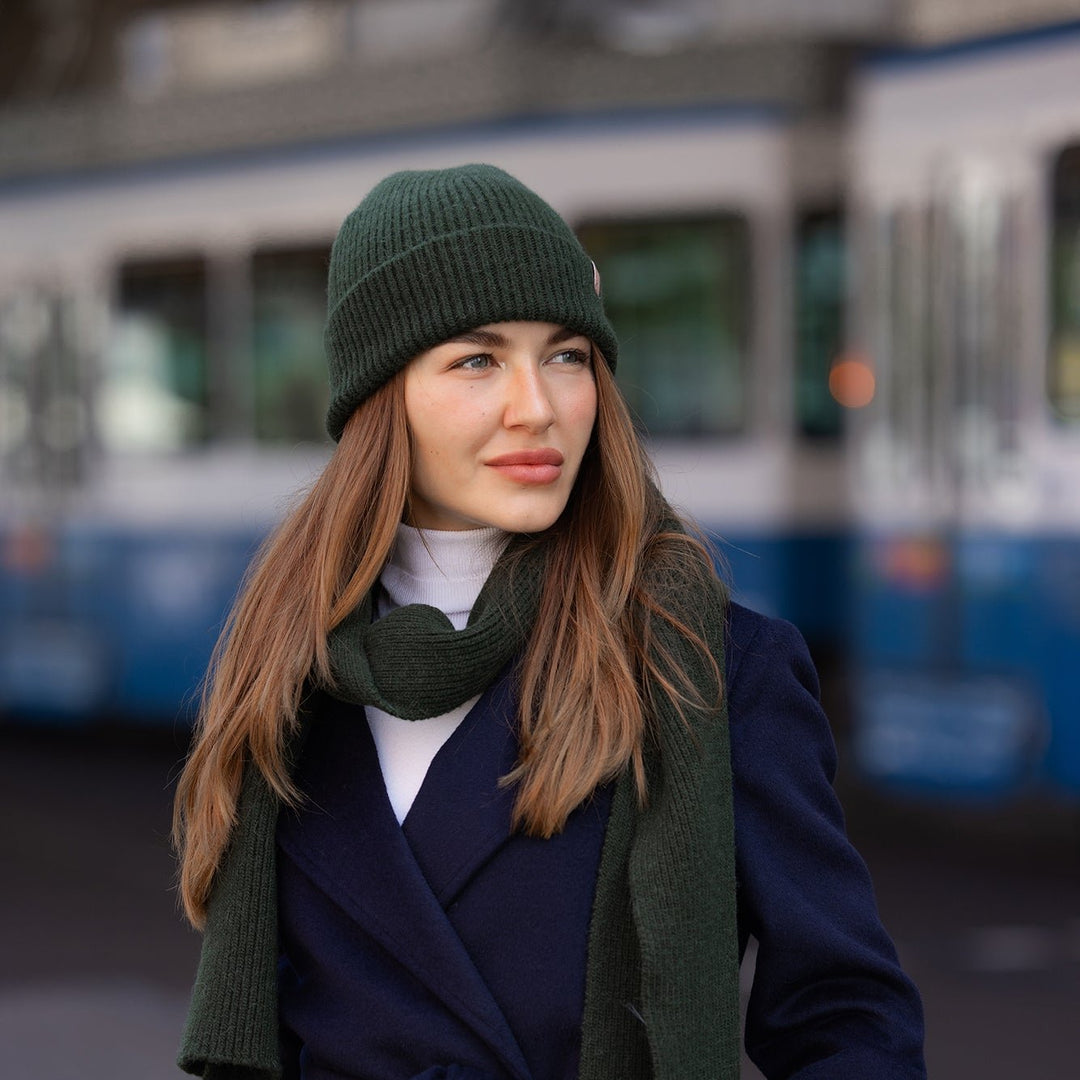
[(429, 255)]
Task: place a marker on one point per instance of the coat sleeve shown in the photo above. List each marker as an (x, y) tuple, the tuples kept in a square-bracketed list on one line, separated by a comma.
[(829, 998)]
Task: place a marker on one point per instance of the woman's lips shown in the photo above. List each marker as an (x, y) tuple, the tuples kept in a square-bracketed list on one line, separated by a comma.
[(529, 466)]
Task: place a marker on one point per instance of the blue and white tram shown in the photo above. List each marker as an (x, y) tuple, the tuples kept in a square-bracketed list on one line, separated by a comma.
[(966, 467), (161, 375)]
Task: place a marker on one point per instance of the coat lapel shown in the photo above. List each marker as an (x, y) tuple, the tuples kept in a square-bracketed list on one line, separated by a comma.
[(350, 844), (461, 815)]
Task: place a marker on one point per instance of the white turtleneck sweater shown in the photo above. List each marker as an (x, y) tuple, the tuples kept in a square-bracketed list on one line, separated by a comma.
[(447, 571)]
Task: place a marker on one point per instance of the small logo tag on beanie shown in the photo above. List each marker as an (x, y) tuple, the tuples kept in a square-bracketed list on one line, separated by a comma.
[(595, 278)]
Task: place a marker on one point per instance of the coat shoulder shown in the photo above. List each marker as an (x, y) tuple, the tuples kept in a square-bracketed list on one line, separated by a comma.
[(753, 641)]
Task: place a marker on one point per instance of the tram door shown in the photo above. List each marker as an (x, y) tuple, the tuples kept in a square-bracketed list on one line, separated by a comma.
[(945, 636)]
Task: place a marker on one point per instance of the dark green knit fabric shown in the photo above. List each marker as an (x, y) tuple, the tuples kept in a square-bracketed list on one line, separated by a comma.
[(662, 996), (413, 664), (662, 976), (431, 254), (232, 1024)]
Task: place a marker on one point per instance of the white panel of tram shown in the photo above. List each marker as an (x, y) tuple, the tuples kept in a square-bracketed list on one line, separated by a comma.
[(634, 165)]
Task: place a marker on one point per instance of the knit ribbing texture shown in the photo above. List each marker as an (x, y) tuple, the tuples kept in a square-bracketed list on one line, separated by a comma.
[(662, 996), (434, 253), (413, 664), (232, 1023)]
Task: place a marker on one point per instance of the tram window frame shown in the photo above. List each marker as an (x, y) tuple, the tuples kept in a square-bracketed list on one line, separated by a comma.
[(188, 378), (306, 425), (665, 414), (818, 414), (1063, 253)]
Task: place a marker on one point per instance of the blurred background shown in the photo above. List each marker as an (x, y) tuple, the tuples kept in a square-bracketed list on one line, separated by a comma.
[(840, 242)]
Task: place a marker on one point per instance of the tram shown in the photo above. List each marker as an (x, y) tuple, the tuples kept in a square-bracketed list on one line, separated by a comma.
[(965, 469), (162, 381)]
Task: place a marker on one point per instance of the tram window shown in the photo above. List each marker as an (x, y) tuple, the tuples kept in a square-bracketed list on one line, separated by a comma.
[(289, 313), (154, 390), (1063, 375), (819, 319), (678, 295)]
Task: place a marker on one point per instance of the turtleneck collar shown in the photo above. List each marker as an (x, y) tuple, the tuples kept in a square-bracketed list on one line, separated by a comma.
[(445, 569)]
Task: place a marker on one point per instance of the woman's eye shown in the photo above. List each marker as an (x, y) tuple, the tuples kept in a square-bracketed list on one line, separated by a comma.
[(475, 363), (571, 356)]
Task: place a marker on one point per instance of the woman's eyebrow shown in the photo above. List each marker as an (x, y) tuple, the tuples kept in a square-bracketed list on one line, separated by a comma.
[(487, 338)]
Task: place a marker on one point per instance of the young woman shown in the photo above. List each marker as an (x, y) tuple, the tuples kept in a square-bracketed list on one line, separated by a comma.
[(491, 781)]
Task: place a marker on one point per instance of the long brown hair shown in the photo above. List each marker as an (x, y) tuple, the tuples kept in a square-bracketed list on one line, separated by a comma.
[(587, 677)]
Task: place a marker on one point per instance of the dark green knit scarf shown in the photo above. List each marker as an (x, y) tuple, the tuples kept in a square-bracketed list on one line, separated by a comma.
[(413, 664), (661, 998)]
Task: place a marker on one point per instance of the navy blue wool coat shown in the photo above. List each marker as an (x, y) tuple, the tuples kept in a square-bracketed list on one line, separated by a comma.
[(451, 948)]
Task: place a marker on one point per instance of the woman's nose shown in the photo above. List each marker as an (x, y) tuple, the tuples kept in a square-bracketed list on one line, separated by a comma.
[(528, 402)]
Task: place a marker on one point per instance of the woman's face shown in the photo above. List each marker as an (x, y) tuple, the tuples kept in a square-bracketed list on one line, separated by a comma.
[(500, 419)]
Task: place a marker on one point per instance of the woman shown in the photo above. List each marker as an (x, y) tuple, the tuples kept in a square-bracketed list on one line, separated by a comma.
[(490, 779)]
